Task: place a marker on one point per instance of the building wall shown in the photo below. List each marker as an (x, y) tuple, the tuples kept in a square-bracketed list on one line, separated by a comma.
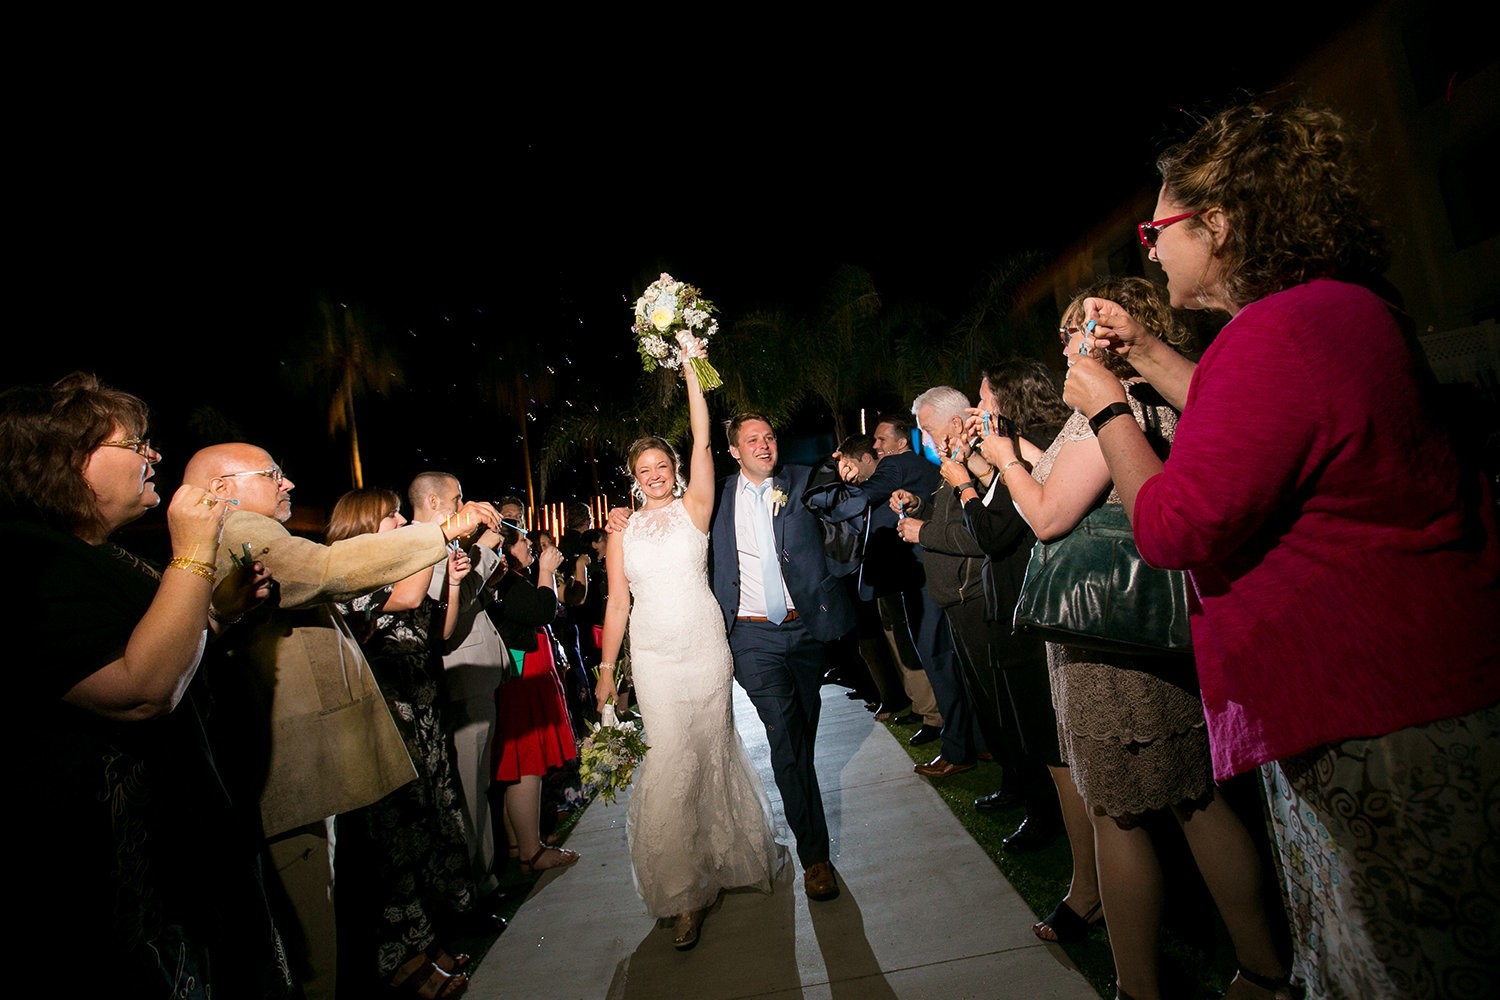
[(1427, 89)]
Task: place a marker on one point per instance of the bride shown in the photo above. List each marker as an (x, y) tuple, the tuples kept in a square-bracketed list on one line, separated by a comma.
[(698, 820)]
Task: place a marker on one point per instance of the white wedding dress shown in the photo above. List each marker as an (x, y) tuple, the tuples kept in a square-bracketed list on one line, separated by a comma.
[(698, 820)]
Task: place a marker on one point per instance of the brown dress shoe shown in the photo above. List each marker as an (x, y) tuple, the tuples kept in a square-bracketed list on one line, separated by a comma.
[(819, 882), (940, 768)]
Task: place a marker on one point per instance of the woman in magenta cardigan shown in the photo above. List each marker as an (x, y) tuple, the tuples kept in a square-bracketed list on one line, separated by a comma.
[(1344, 559)]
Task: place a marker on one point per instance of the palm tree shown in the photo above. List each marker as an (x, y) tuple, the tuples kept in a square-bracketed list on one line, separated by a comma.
[(606, 430), (841, 358), (991, 327), (913, 348), (522, 384), (756, 356), (348, 360)]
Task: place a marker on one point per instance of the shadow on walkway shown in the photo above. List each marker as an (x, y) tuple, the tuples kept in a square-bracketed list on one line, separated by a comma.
[(924, 913)]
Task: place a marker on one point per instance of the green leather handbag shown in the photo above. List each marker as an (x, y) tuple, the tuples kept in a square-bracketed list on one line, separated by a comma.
[(1091, 588)]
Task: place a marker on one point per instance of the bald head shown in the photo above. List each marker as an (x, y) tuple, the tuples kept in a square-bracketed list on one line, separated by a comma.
[(434, 495), (243, 472)]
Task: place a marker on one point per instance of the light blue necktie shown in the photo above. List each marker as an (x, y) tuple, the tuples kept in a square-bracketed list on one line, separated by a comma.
[(770, 568)]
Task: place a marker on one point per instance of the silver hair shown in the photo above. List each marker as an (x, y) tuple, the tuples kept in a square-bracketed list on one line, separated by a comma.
[(945, 400)]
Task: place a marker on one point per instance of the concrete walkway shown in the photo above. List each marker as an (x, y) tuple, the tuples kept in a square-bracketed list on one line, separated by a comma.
[(923, 914)]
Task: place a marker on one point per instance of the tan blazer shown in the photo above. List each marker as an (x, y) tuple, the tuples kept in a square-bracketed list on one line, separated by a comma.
[(476, 655), (309, 707)]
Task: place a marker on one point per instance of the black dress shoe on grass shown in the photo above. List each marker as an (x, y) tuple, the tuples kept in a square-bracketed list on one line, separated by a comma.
[(996, 801), (1029, 836), (925, 735)]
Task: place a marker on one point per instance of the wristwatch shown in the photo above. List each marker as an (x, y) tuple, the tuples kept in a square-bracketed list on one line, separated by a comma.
[(1104, 416)]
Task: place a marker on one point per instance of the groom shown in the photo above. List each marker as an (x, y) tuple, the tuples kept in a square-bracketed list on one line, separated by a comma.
[(780, 601)]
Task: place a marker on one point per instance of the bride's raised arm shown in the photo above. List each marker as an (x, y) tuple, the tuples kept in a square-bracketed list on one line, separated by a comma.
[(699, 498)]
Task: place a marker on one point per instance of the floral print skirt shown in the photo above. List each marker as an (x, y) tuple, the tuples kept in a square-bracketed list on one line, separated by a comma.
[(1390, 855)]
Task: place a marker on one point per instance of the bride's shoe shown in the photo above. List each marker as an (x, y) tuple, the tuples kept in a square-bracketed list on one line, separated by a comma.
[(685, 931)]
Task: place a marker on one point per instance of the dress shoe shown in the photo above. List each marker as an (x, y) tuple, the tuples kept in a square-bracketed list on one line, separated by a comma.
[(940, 768), (909, 719), (925, 735), (996, 801), (888, 711), (820, 883), (1029, 836)]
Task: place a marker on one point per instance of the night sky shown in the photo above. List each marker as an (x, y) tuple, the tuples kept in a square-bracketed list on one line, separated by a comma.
[(181, 219)]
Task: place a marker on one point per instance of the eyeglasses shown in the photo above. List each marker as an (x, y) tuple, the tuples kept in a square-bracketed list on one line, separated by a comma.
[(1150, 232), (273, 473), (141, 446)]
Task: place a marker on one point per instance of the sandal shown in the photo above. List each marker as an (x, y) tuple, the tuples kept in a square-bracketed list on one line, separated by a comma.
[(685, 931), (431, 983), (1066, 925), (568, 858)]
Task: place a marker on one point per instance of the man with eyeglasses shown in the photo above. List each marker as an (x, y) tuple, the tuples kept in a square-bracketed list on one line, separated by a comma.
[(298, 710)]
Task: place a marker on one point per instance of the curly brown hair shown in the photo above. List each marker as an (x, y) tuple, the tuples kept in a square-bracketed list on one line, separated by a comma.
[(1147, 305), (1028, 394), (1285, 177), (46, 435), (359, 512)]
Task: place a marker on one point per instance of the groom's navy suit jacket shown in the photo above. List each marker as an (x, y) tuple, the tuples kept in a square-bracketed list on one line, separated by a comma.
[(820, 597)]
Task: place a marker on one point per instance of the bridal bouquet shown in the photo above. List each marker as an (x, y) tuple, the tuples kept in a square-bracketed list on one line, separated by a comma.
[(608, 755), (669, 308)]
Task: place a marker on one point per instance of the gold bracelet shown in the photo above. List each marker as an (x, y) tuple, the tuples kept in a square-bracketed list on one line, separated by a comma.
[(1014, 461), (197, 567)]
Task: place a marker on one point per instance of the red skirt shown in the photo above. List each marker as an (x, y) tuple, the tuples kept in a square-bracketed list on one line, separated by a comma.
[(532, 730)]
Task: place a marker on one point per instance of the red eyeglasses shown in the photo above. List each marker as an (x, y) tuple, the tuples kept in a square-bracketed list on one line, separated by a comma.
[(1150, 232)]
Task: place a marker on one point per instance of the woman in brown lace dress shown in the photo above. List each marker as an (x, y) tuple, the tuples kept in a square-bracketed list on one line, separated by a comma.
[(1131, 729)]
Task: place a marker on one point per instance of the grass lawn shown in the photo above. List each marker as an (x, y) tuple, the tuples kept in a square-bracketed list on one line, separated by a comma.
[(1197, 959)]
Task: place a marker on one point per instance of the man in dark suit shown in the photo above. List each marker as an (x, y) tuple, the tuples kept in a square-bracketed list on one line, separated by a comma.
[(780, 600), (892, 571)]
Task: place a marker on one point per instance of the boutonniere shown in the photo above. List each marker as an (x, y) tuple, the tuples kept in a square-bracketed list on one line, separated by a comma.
[(778, 500)]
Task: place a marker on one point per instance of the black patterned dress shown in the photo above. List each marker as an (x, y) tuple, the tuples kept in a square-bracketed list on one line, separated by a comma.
[(403, 862), (128, 840)]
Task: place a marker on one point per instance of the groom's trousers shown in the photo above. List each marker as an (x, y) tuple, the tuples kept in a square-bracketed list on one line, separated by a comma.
[(781, 669)]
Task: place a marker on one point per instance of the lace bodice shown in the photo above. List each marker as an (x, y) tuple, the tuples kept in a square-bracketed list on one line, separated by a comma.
[(664, 546)]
